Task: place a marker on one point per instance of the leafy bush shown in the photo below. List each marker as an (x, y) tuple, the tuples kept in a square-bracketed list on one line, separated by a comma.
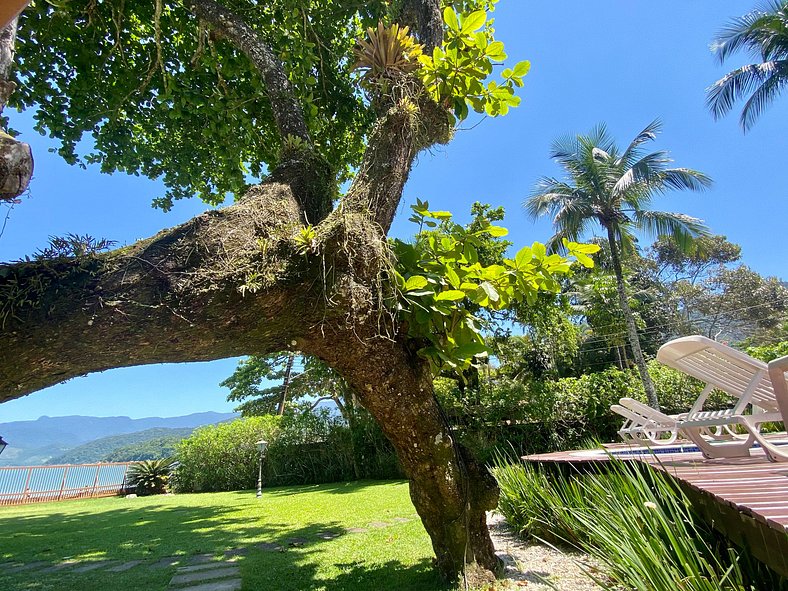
[(304, 448), (224, 456), (548, 415), (150, 477), (634, 521)]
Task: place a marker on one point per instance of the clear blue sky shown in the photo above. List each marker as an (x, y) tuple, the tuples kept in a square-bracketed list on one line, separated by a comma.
[(621, 62)]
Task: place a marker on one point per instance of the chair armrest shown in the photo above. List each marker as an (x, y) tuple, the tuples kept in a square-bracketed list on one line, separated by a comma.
[(778, 364)]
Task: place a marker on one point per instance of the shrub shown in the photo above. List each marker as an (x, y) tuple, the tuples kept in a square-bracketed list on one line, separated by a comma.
[(224, 456), (548, 415), (634, 521), (150, 477), (304, 448)]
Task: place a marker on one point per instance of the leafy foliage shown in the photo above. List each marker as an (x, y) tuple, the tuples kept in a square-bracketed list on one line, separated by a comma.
[(637, 523), (386, 52), (764, 34), (160, 95), (456, 73), (72, 246), (223, 456), (150, 477), (442, 282), (310, 378), (303, 448)]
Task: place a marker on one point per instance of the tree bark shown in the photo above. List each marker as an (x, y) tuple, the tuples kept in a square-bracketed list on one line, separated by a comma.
[(16, 158), (632, 331), (237, 282), (231, 283), (449, 488), (286, 384)]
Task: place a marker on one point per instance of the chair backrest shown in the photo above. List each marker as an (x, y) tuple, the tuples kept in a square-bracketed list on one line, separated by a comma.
[(722, 367), (779, 379)]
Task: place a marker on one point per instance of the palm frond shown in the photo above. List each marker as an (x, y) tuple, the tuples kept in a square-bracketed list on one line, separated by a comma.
[(681, 227), (683, 179), (648, 134), (548, 196), (725, 92), (645, 170), (762, 31), (764, 94)]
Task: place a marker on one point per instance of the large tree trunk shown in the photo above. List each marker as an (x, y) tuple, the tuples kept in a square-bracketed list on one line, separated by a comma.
[(449, 488), (632, 331), (232, 282)]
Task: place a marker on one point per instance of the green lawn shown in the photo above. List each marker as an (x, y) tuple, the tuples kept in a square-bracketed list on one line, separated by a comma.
[(397, 556)]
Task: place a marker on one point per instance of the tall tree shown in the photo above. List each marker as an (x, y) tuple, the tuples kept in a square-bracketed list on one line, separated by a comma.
[(614, 189), (211, 96), (763, 33)]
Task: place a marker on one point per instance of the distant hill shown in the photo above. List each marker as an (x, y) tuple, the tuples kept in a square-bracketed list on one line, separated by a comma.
[(36, 442), (150, 444)]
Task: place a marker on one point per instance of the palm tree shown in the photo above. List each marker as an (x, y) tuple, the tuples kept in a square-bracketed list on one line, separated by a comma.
[(614, 189), (763, 33)]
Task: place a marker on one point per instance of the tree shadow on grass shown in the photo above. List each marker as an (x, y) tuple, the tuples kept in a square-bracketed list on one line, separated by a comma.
[(329, 488), (273, 555), (286, 573)]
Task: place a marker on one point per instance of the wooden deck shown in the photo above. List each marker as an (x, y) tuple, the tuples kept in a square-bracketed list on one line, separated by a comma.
[(746, 499)]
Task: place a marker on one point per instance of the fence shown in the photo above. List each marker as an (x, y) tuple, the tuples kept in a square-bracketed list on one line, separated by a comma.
[(34, 484)]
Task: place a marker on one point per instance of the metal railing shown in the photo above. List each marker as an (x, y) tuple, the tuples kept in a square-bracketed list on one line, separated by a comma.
[(35, 484)]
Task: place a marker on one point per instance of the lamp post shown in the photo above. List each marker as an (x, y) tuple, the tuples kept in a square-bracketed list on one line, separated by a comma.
[(261, 445), (2, 444)]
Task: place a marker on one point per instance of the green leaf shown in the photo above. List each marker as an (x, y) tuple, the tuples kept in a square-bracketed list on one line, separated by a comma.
[(490, 291), (439, 215), (416, 282), (450, 18), (470, 350), (451, 295), (473, 21), (496, 231), (522, 68)]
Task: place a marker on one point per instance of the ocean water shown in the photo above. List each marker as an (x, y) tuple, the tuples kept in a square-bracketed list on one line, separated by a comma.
[(37, 481)]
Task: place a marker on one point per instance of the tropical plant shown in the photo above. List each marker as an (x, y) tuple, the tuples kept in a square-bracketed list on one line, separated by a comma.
[(614, 189), (150, 477), (764, 34), (637, 524)]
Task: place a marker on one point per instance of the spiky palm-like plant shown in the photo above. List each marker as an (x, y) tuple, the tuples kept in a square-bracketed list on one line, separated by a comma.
[(150, 476), (614, 189), (386, 51), (764, 34)]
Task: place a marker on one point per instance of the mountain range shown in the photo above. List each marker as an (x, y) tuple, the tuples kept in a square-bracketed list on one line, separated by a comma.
[(37, 442)]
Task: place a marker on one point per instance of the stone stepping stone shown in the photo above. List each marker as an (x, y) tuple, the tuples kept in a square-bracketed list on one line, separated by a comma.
[(296, 542), (327, 535), (220, 572), (166, 562), (229, 585), (18, 568), (94, 566), (124, 567), (401, 519), (268, 546), (61, 565), (379, 524), (202, 558), (357, 530), (236, 552), (195, 568)]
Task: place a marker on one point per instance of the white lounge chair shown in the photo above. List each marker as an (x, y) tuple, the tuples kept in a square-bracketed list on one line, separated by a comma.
[(642, 426), (742, 377)]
